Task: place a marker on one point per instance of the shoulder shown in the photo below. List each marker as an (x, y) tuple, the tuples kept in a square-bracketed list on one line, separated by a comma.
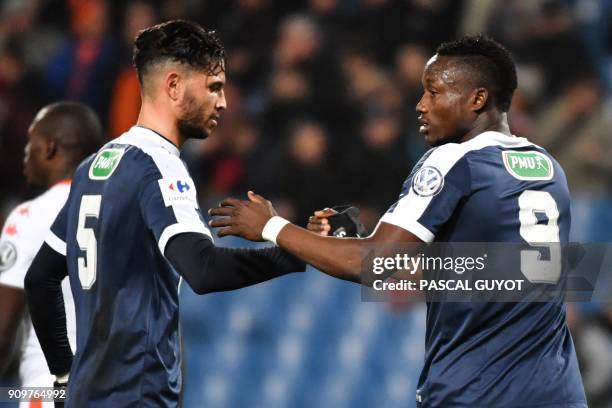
[(152, 152), (448, 155), (444, 159), (17, 219)]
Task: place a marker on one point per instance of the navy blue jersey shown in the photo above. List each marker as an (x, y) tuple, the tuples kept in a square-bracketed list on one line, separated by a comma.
[(125, 203), (492, 188)]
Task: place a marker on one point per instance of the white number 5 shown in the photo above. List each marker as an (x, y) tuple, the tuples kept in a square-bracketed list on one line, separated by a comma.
[(86, 238), (536, 269)]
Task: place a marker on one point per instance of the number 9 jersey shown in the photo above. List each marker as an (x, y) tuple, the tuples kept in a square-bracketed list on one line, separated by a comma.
[(125, 203), (492, 188)]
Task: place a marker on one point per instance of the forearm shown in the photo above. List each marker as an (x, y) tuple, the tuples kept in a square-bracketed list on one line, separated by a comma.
[(8, 348), (212, 269), (338, 257), (46, 303)]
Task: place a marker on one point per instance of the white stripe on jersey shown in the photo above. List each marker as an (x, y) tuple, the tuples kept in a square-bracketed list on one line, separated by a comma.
[(56, 243), (410, 207)]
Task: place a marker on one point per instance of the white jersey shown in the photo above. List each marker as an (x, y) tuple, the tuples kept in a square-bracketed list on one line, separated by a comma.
[(22, 236)]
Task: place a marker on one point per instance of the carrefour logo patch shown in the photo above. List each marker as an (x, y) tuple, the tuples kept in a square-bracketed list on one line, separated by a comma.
[(176, 191), (530, 165), (427, 182), (179, 185), (105, 163)]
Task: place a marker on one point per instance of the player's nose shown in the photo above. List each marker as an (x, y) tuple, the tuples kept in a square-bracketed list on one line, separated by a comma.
[(221, 102), (420, 106)]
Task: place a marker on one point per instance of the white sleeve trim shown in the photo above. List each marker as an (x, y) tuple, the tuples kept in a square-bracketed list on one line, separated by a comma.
[(179, 228), (56, 243), (414, 227)]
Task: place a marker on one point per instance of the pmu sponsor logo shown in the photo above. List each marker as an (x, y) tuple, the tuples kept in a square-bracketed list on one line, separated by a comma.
[(530, 165), (105, 164)]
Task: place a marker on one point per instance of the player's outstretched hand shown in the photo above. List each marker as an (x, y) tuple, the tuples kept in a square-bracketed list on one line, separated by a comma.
[(243, 218), (319, 223), (340, 221)]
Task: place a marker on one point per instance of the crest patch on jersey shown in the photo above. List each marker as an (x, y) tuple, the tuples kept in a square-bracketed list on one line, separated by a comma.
[(175, 191), (8, 256), (531, 165), (427, 182), (105, 164)]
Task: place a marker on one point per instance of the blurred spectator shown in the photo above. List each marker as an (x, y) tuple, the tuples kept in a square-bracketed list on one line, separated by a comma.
[(575, 129), (304, 176), (20, 97), (249, 24), (125, 99), (84, 68)]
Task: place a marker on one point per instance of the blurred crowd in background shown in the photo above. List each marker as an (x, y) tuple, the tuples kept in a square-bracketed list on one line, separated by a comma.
[(322, 95)]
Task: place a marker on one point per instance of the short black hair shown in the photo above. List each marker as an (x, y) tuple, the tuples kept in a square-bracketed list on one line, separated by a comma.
[(75, 127), (180, 41), (492, 63)]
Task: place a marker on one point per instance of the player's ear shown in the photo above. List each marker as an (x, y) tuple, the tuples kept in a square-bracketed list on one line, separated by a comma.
[(479, 99), (50, 147), (173, 85)]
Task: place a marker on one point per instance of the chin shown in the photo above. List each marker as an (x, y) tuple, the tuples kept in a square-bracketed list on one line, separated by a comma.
[(432, 140), (191, 132)]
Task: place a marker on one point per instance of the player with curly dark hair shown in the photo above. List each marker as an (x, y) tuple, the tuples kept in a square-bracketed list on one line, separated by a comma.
[(479, 183)]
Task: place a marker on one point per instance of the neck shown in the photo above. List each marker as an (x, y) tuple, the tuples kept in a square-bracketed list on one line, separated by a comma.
[(489, 121), (156, 118), (61, 173)]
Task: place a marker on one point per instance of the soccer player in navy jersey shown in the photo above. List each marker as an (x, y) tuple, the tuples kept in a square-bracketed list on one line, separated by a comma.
[(468, 188), (131, 228)]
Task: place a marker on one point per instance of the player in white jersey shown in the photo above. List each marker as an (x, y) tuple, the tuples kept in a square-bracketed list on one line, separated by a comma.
[(60, 137)]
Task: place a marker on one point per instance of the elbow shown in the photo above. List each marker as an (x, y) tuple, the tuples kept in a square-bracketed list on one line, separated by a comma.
[(31, 283), (200, 290), (200, 286)]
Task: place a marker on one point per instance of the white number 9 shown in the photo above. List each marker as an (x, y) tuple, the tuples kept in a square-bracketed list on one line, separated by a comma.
[(543, 235)]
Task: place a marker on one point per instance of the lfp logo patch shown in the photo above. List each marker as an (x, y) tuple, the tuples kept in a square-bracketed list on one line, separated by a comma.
[(177, 191), (105, 164), (8, 256), (531, 165), (427, 182)]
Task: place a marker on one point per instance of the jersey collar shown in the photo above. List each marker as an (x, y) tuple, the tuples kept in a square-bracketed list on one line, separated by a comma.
[(154, 138), (501, 139)]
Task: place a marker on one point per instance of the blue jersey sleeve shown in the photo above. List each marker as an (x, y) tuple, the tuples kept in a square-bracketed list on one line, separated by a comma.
[(169, 206), (432, 192)]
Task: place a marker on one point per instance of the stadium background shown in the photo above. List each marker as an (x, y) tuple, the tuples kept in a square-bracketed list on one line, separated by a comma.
[(321, 111)]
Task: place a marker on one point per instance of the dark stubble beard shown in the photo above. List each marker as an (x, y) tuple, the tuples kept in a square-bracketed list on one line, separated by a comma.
[(191, 125)]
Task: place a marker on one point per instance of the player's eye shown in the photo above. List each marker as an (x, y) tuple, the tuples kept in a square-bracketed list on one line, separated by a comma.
[(216, 87)]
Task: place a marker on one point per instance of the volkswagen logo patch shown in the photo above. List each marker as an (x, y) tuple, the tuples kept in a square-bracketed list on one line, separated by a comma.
[(427, 182)]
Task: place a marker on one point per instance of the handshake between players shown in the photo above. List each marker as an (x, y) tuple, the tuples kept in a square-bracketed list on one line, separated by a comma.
[(248, 218)]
